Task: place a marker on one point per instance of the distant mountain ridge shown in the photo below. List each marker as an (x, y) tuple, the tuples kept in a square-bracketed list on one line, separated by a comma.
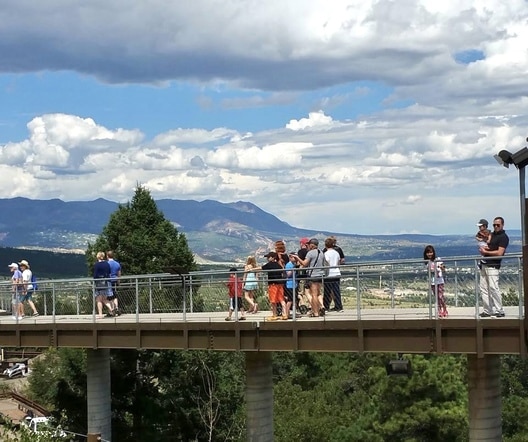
[(219, 232)]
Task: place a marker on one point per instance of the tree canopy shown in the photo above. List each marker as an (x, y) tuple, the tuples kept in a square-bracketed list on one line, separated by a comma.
[(142, 239)]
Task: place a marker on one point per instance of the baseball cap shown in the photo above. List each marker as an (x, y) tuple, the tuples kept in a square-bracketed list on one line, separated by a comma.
[(271, 255), (314, 241), (482, 222), (304, 240), (13, 265)]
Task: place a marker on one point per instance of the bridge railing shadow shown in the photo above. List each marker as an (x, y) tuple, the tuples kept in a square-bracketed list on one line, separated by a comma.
[(397, 288)]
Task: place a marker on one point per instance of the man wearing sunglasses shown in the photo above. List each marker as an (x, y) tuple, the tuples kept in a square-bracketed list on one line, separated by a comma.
[(489, 272)]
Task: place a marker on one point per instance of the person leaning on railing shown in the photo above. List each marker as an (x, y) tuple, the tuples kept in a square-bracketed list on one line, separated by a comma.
[(275, 286)]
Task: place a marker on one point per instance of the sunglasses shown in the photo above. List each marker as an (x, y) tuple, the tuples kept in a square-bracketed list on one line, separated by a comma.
[(496, 225)]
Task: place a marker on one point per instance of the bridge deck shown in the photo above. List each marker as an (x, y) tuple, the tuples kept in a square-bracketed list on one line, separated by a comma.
[(400, 330)]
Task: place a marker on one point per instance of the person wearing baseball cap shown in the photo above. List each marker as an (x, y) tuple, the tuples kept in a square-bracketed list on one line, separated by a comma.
[(482, 222), (17, 291), (275, 286)]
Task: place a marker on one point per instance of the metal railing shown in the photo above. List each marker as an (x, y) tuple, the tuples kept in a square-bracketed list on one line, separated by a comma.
[(383, 288)]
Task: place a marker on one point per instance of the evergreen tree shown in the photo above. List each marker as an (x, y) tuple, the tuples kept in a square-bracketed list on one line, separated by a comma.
[(142, 239)]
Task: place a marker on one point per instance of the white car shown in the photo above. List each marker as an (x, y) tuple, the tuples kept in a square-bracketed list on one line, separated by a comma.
[(19, 369), (43, 425)]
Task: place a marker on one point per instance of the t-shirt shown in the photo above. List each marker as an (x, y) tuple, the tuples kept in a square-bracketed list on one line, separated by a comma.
[(234, 286), (498, 239), (316, 259), (101, 270), (17, 276), (275, 274), (115, 268), (289, 281), (26, 278), (333, 258)]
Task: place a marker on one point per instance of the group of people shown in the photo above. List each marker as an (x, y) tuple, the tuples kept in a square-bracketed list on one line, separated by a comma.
[(22, 289), (492, 244), (307, 273), (106, 274)]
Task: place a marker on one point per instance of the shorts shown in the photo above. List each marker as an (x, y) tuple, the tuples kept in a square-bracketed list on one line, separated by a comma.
[(276, 293), (17, 299), (251, 286), (288, 294), (236, 303), (27, 297), (110, 297), (309, 281)]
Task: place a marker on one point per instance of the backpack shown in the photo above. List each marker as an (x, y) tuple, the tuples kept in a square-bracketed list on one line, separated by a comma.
[(34, 282)]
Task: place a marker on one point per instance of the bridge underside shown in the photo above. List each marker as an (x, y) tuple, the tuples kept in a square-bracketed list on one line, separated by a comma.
[(455, 336)]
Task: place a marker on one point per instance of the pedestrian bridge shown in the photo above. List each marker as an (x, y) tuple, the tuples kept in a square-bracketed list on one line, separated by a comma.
[(388, 307)]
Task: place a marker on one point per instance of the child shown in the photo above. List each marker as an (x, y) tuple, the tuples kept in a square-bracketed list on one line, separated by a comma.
[(234, 286), (250, 283), (483, 236), (436, 268)]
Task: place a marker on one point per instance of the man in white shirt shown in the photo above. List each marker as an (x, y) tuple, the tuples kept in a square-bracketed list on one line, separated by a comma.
[(27, 289)]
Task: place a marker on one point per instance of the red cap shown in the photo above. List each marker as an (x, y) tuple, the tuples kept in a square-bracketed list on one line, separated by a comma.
[(304, 240)]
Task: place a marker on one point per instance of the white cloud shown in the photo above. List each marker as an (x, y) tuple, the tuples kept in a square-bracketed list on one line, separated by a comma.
[(428, 150), (314, 119)]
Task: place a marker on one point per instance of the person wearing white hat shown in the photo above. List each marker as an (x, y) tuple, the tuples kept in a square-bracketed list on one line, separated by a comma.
[(27, 276), (17, 290)]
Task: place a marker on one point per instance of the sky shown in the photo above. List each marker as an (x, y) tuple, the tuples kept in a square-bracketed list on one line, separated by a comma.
[(366, 117)]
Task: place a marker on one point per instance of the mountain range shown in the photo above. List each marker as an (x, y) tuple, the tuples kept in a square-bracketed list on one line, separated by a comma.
[(216, 232)]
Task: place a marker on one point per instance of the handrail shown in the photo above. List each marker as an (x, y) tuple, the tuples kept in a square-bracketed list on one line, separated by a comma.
[(366, 286)]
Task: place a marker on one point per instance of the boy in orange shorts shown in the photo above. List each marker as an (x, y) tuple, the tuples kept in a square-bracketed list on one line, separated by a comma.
[(276, 280)]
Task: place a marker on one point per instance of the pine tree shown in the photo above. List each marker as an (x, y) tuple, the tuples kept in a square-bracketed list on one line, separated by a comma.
[(143, 241)]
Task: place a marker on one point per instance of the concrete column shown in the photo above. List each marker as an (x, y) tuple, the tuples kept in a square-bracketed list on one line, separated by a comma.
[(99, 393), (259, 397), (485, 422)]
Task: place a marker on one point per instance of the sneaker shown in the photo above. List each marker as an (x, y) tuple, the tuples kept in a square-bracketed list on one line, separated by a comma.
[(242, 318), (499, 315), (109, 315), (35, 314), (485, 315), (228, 319)]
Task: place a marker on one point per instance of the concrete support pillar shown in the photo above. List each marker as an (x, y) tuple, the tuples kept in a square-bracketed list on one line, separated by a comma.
[(99, 393), (259, 397), (485, 422)]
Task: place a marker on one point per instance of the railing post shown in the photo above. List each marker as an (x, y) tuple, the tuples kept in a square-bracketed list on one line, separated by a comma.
[(477, 280), (392, 286), (358, 296), (150, 295), (94, 303), (54, 300), (520, 285), (137, 300), (184, 300), (429, 292), (191, 293), (456, 283)]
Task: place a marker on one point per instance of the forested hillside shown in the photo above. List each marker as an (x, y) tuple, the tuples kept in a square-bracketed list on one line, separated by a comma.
[(46, 264), (318, 397)]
